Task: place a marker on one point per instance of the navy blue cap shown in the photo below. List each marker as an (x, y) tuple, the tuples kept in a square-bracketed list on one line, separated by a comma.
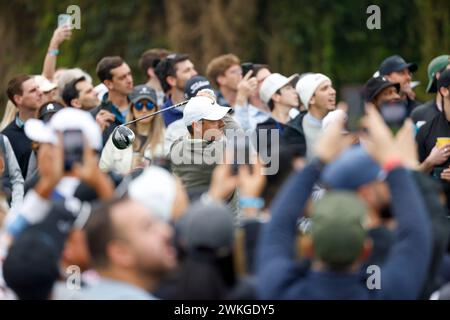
[(194, 85), (395, 63), (352, 169)]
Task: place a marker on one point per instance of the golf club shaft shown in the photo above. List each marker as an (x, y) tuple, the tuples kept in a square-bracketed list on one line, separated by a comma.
[(155, 113)]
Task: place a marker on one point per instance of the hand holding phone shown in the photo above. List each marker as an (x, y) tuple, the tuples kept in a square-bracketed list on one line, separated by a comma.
[(64, 20), (73, 142), (246, 67), (355, 111)]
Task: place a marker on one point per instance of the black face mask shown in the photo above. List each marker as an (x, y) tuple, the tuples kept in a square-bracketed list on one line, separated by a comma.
[(394, 113)]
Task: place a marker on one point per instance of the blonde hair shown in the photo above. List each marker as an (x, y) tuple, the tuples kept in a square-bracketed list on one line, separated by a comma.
[(9, 115), (155, 134)]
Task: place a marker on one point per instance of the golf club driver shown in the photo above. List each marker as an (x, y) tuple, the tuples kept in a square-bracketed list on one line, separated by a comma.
[(123, 137)]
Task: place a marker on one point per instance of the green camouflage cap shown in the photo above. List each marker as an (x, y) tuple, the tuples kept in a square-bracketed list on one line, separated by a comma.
[(337, 229), (435, 65)]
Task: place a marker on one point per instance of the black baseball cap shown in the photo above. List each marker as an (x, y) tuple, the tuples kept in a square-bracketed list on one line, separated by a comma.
[(444, 79), (48, 110), (194, 85), (32, 265), (141, 92), (60, 220), (375, 85), (395, 63)]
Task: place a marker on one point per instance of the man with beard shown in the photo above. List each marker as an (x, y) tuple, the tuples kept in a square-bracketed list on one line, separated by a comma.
[(380, 91), (385, 96), (356, 171), (130, 249)]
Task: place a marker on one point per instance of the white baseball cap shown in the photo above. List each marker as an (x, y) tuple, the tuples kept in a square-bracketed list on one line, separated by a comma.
[(199, 108), (334, 116), (100, 90), (155, 189), (44, 84), (66, 119), (307, 85), (274, 82)]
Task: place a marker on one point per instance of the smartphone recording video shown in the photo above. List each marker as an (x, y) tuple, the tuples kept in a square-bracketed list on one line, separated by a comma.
[(246, 67), (73, 148), (355, 112), (64, 20)]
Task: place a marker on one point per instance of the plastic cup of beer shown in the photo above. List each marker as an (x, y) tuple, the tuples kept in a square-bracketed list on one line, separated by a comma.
[(442, 141)]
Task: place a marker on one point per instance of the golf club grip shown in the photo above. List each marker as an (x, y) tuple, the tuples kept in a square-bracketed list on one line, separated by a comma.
[(157, 112)]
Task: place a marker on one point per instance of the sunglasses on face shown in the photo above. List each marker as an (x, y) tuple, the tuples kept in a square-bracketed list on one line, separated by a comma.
[(140, 105)]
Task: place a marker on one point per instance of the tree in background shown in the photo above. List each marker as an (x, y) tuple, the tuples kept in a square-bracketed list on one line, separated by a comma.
[(290, 35)]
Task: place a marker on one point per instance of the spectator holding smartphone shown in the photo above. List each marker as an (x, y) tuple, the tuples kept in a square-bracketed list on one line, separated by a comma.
[(235, 89), (339, 243)]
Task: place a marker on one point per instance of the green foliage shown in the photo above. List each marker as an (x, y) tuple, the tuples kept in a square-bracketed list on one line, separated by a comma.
[(290, 35)]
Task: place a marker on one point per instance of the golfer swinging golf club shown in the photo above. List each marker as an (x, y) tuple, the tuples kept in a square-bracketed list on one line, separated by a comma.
[(123, 137)]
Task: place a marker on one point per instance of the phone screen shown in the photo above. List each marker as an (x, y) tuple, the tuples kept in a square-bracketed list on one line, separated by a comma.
[(64, 20), (246, 67), (355, 114), (73, 148)]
